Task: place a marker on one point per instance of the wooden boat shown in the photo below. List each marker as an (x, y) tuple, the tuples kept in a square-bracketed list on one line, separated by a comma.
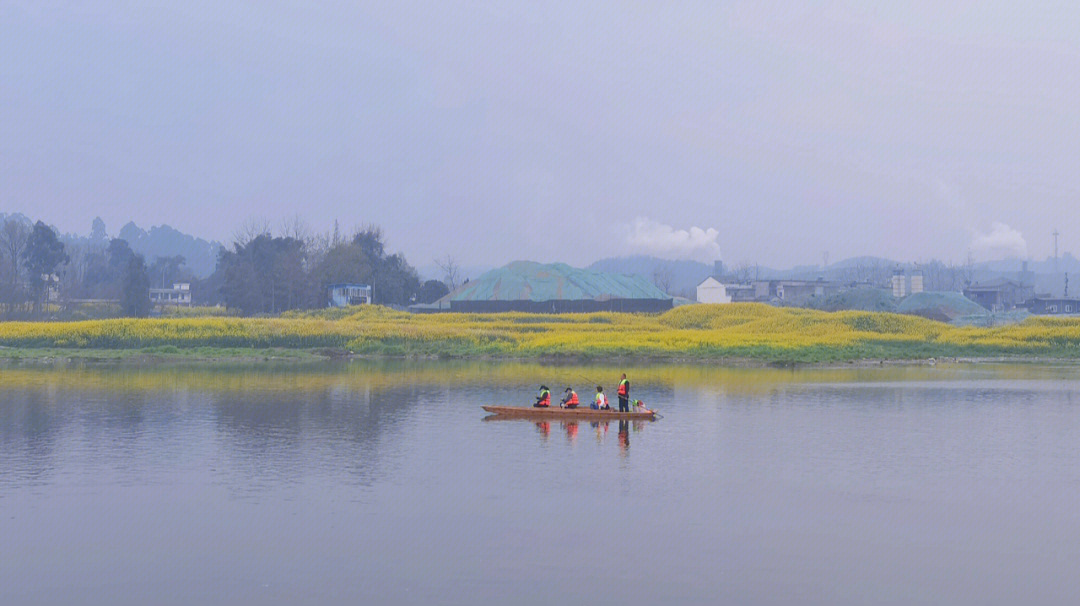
[(554, 412)]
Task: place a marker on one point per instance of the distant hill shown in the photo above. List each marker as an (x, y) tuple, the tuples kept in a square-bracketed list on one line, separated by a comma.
[(864, 261), (200, 256)]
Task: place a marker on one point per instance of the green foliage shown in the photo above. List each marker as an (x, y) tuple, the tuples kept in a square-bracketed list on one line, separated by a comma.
[(135, 293), (42, 255), (431, 291), (265, 275)]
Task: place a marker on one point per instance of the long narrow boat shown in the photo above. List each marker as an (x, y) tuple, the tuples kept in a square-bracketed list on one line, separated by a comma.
[(587, 414)]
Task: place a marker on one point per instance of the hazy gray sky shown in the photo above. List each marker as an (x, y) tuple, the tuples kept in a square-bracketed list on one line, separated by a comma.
[(572, 131)]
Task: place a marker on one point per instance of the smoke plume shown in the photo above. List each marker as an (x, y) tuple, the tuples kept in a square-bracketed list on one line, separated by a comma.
[(653, 238)]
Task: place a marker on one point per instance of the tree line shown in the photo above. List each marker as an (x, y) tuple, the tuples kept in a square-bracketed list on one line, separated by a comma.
[(261, 273)]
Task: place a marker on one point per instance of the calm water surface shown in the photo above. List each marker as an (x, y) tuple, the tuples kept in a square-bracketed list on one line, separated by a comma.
[(381, 483)]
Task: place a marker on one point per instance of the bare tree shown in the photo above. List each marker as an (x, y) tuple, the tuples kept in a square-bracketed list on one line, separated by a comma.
[(295, 227), (451, 271), (967, 273), (662, 278), (251, 229), (747, 271), (13, 238)]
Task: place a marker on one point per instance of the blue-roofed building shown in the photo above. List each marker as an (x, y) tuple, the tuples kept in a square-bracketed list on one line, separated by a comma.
[(343, 295), (554, 288)]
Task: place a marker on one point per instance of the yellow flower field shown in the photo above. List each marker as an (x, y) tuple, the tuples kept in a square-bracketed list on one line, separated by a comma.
[(695, 331)]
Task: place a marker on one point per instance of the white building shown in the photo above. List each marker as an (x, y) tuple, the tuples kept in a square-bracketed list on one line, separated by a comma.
[(343, 295), (711, 290), (179, 295)]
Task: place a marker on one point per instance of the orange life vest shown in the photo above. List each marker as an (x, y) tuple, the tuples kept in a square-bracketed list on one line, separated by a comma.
[(573, 401), (623, 387)]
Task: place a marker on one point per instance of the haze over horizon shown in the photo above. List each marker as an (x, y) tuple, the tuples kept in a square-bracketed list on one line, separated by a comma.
[(756, 131)]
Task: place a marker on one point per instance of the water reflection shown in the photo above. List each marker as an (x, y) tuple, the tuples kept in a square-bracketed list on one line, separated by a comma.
[(571, 429), (376, 482)]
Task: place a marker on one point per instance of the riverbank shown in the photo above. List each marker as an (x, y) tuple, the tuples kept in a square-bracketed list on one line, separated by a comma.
[(729, 334)]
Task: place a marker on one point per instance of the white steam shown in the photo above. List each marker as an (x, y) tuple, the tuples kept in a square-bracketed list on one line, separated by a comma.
[(1000, 240), (653, 238)]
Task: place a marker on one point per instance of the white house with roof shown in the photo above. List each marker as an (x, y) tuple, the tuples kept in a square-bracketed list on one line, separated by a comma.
[(712, 290), (179, 295)]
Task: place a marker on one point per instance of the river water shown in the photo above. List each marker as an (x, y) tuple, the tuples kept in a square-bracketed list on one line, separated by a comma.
[(381, 483)]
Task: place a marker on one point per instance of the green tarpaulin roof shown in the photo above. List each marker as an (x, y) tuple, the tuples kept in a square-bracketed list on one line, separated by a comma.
[(529, 281)]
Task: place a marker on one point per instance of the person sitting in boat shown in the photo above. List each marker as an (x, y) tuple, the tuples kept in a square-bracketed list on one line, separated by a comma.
[(544, 399), (639, 406), (570, 400), (601, 402)]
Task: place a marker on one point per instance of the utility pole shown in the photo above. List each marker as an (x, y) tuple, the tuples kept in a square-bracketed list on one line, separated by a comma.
[(1055, 234)]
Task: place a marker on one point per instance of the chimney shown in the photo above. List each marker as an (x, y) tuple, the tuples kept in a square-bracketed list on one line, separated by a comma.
[(718, 268)]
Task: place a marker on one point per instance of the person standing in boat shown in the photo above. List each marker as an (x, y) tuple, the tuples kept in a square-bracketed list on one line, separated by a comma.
[(544, 399), (624, 394), (570, 400), (601, 403)]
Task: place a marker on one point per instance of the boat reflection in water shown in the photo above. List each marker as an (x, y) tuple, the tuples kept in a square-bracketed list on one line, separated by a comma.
[(571, 428)]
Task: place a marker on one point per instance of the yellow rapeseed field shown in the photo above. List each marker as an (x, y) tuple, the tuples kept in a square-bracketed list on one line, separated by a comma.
[(695, 331)]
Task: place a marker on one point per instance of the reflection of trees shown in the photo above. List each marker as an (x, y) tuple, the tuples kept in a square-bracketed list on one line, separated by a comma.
[(28, 430), (262, 435), (38, 424), (289, 435)]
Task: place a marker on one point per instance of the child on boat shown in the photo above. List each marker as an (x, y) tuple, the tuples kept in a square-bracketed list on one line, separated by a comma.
[(601, 402)]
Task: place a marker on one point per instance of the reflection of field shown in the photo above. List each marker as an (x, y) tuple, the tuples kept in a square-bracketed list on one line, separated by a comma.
[(381, 375), (701, 331)]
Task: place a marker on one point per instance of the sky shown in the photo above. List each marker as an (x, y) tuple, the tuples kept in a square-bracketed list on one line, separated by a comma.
[(764, 132)]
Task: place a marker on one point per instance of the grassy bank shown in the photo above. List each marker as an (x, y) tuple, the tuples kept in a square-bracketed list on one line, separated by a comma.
[(741, 331)]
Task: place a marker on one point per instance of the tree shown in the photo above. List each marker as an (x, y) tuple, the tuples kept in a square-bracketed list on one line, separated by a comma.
[(662, 278), (451, 271), (296, 228), (42, 255), (135, 291), (342, 263), (264, 275), (395, 281), (431, 291), (166, 271), (268, 274), (251, 229), (119, 253), (370, 241), (13, 237)]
